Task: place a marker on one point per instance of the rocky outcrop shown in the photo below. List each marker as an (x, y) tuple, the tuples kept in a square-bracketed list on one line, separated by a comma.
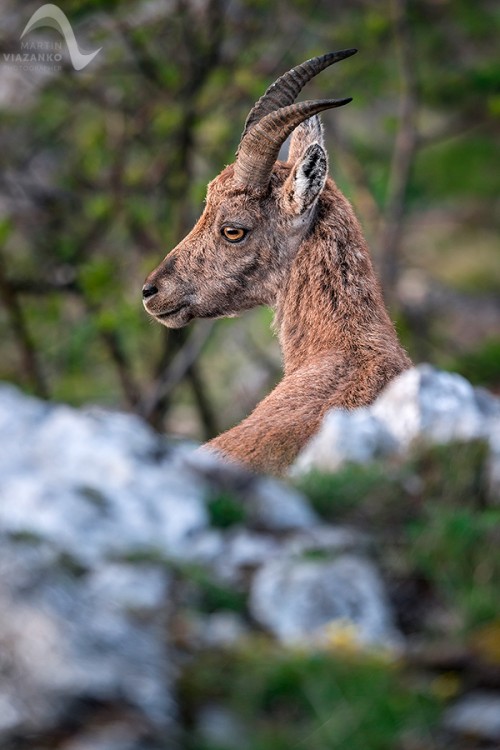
[(304, 599), (422, 404), (105, 527), (477, 715), (97, 516)]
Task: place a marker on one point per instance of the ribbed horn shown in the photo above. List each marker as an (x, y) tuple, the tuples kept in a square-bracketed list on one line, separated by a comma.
[(260, 146), (287, 87)]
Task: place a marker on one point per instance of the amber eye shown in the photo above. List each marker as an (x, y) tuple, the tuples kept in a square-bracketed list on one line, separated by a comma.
[(233, 234)]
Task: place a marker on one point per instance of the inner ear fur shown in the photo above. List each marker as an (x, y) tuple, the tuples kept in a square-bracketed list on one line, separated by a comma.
[(306, 180), (307, 133)]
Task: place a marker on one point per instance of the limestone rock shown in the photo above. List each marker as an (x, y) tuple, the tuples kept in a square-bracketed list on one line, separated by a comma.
[(303, 600), (421, 404), (427, 403), (476, 715), (90, 504), (65, 473), (96, 510), (268, 503), (72, 637), (345, 436)]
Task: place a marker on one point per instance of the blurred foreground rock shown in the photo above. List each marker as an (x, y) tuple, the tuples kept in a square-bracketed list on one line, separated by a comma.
[(343, 599), (82, 627), (101, 520), (476, 715), (422, 404), (120, 552)]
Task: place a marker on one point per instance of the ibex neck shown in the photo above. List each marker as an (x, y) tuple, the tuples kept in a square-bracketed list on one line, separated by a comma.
[(331, 303)]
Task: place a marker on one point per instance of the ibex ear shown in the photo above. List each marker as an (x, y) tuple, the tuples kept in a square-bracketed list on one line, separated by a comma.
[(306, 180), (308, 132)]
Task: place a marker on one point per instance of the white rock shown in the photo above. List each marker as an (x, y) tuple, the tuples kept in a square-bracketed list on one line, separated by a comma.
[(345, 436), (299, 600), (222, 629), (94, 476), (494, 459), (421, 404), (424, 402), (69, 634), (244, 551), (476, 714), (279, 508), (84, 494)]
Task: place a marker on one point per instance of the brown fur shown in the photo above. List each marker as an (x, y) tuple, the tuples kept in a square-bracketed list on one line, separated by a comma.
[(306, 257)]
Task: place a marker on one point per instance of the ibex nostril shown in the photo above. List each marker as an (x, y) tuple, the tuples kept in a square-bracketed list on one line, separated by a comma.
[(149, 290)]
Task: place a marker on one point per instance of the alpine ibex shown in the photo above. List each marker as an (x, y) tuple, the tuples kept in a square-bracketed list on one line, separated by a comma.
[(282, 234)]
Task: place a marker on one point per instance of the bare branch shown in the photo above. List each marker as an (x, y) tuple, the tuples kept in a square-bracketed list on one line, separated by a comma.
[(112, 341), (22, 336), (43, 287), (205, 410), (403, 154), (177, 370)]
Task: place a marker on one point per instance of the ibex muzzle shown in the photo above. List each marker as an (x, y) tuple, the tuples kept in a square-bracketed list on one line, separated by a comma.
[(255, 213)]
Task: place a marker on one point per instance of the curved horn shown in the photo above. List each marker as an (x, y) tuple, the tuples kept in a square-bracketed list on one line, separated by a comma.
[(260, 146), (287, 87)]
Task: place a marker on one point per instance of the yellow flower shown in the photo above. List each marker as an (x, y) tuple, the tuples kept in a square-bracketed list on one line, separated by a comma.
[(341, 635)]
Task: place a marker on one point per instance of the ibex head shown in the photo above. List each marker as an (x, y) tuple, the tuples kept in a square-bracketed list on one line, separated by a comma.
[(257, 211)]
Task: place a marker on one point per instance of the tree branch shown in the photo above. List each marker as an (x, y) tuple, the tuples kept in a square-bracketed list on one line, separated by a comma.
[(22, 336), (177, 370), (205, 411), (403, 154)]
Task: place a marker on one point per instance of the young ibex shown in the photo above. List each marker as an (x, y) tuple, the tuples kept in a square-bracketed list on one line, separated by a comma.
[(283, 235)]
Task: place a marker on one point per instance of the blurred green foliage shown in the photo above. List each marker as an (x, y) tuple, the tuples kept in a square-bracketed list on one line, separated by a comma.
[(207, 594), (480, 366), (456, 549), (436, 519), (281, 699), (224, 511), (105, 171), (434, 526)]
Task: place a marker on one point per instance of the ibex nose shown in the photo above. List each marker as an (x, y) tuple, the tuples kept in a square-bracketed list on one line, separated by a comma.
[(149, 290)]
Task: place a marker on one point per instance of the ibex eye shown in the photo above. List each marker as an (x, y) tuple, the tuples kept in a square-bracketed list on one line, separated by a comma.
[(233, 234)]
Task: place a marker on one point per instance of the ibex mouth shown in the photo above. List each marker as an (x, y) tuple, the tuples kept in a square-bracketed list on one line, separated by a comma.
[(170, 312)]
